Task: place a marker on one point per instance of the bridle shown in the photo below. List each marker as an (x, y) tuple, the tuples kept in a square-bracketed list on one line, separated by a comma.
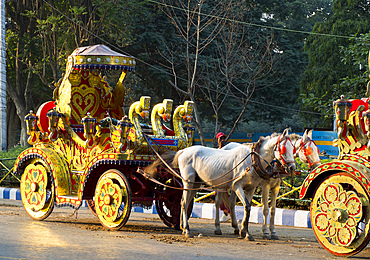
[(280, 146), (307, 150)]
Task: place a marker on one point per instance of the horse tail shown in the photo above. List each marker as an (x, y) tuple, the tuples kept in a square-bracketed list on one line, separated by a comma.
[(167, 157), (175, 161)]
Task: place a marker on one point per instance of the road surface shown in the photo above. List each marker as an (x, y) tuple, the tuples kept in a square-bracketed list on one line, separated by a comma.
[(63, 236)]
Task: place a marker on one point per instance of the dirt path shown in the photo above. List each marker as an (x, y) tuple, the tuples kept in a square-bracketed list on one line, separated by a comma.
[(144, 236)]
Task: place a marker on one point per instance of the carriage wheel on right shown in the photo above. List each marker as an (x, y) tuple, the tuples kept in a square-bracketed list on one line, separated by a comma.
[(168, 205), (112, 199), (340, 215)]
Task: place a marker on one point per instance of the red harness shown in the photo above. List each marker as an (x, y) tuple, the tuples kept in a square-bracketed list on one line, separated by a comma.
[(281, 148), (307, 151)]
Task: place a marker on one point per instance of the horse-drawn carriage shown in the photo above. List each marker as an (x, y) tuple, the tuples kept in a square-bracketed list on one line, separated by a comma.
[(340, 189), (84, 147)]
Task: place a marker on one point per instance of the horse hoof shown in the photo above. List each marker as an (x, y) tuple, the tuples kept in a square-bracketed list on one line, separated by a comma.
[(236, 231), (218, 232), (177, 227), (249, 237), (266, 236), (189, 235), (242, 234), (274, 237)]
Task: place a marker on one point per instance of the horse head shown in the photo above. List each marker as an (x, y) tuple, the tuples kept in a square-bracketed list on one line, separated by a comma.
[(308, 152), (284, 152)]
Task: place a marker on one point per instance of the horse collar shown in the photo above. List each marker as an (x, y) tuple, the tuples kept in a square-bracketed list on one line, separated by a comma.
[(257, 165)]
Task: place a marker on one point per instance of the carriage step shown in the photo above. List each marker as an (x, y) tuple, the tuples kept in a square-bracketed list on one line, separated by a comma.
[(71, 197)]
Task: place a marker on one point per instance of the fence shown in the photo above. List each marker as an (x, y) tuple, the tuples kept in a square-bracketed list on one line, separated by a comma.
[(323, 140), (7, 178)]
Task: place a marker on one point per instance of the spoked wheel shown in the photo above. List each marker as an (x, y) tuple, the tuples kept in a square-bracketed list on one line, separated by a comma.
[(91, 205), (340, 215), (37, 191), (169, 207), (113, 199)]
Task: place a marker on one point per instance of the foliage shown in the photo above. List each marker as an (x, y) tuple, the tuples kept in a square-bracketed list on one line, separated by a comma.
[(7, 158), (355, 55), (322, 80), (13, 152), (227, 62)]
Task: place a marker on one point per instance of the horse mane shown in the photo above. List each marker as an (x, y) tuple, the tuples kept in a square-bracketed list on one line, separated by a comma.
[(274, 135), (264, 138), (175, 161), (294, 137), (168, 157), (261, 139)]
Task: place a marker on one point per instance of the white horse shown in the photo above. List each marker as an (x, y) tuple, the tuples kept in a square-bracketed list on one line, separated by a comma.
[(230, 169), (308, 153)]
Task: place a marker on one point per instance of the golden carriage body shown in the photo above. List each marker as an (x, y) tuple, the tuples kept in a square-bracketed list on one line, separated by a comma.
[(340, 189), (84, 147)]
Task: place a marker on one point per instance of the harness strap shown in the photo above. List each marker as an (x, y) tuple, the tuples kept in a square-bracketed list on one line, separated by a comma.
[(163, 161), (282, 151), (180, 177), (147, 176), (257, 165), (302, 146)]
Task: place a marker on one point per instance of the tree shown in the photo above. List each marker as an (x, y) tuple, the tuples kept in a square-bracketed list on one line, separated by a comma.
[(326, 69), (356, 55), (243, 59), (196, 31), (41, 35)]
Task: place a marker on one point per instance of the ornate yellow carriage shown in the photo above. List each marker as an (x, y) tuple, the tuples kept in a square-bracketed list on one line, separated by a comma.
[(84, 147), (340, 209)]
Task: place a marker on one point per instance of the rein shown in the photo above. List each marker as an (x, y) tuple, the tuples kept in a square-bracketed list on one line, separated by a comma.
[(282, 150), (173, 172), (307, 151), (257, 165), (256, 162)]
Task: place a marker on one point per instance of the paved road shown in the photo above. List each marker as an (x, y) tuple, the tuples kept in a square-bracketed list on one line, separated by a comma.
[(62, 236)]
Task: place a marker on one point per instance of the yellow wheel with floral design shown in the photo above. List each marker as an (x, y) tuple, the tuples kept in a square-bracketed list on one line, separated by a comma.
[(37, 191), (340, 215), (113, 199)]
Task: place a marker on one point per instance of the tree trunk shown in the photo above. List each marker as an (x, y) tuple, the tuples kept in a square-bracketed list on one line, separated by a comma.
[(13, 123)]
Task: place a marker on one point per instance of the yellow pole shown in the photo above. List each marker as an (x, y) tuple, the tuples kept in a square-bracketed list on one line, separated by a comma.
[(204, 196)]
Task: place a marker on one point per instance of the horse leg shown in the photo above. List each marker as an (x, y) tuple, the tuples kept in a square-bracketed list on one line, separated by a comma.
[(265, 210), (234, 223), (274, 193), (218, 200), (187, 196), (244, 232)]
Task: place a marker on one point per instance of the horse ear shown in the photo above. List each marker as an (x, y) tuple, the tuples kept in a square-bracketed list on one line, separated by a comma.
[(305, 134), (310, 133), (286, 132)]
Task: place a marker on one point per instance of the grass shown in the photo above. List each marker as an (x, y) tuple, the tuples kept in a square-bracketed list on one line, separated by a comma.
[(7, 159)]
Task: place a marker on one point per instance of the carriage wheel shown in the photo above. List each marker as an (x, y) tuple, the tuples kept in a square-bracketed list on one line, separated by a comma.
[(169, 208), (340, 214), (37, 191), (113, 199), (91, 205)]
